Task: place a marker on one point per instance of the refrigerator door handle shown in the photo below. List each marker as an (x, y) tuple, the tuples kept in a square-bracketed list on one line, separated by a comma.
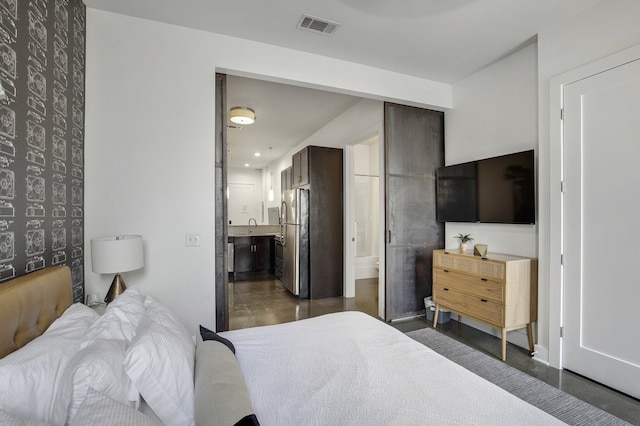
[(283, 222)]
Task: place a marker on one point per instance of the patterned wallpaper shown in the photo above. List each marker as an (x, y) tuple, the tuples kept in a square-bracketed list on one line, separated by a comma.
[(42, 67)]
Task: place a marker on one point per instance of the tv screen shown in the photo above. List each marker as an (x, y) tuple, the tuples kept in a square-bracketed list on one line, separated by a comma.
[(493, 190), (506, 189), (456, 193)]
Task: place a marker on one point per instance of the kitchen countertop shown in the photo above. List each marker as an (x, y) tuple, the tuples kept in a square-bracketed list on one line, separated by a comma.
[(254, 231), (255, 234)]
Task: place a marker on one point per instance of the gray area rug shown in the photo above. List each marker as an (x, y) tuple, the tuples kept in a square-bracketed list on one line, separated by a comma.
[(559, 404)]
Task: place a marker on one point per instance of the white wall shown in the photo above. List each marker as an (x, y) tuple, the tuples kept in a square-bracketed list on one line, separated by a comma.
[(150, 134), (494, 113), (608, 27), (270, 180)]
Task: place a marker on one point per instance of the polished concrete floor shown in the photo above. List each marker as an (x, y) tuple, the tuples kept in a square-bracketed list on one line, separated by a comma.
[(264, 301)]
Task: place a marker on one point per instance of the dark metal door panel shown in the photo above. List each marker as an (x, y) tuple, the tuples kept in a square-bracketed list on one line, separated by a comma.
[(409, 276), (412, 211), (414, 149), (417, 140), (221, 232)]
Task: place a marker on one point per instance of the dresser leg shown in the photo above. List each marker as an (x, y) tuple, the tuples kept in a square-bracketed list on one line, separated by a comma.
[(435, 316), (504, 344), (530, 335)]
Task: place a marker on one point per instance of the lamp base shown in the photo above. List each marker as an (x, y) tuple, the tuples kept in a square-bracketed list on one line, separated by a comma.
[(116, 289)]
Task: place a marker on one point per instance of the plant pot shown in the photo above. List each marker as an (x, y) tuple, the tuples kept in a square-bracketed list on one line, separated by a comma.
[(463, 247)]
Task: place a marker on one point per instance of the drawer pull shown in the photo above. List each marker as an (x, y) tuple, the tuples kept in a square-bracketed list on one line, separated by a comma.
[(483, 279), (446, 289), (445, 270), (483, 300)]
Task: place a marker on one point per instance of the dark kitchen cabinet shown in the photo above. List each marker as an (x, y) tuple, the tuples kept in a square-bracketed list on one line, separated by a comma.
[(242, 254), (318, 173), (252, 254), (278, 258), (286, 179), (300, 161), (262, 253)]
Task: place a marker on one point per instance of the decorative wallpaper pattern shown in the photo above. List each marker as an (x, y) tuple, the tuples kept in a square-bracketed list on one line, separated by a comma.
[(42, 68)]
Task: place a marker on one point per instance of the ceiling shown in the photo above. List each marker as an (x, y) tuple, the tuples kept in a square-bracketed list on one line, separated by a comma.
[(441, 40), (285, 117)]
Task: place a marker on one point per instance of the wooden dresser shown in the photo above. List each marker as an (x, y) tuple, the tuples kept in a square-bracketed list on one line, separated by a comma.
[(498, 290)]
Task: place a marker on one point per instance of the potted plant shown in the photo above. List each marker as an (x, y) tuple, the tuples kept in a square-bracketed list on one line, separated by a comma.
[(464, 239)]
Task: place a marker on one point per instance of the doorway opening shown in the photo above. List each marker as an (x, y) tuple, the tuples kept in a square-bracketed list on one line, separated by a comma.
[(366, 199), (288, 119)]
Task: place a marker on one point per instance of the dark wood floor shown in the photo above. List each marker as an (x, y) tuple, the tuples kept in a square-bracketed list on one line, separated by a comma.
[(264, 301)]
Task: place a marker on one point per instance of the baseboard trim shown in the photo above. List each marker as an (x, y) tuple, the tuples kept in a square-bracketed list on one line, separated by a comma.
[(541, 354)]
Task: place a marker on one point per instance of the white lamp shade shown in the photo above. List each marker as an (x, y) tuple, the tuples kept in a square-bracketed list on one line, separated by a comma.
[(112, 255)]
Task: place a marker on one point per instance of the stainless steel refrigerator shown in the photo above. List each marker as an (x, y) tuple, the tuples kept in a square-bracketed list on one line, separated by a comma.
[(312, 223), (295, 241)]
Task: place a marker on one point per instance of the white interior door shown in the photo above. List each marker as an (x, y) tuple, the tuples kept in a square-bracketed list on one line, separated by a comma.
[(601, 214), (242, 204)]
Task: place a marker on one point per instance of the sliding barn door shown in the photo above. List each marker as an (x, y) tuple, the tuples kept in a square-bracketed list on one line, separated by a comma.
[(222, 278), (414, 145), (601, 211)]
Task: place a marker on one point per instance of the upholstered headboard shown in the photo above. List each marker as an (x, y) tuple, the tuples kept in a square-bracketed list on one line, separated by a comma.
[(29, 304)]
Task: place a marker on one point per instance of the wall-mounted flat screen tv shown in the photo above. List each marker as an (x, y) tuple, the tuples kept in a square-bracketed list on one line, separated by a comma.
[(493, 190), (456, 193)]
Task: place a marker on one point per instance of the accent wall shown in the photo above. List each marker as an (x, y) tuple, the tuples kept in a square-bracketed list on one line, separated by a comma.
[(42, 68)]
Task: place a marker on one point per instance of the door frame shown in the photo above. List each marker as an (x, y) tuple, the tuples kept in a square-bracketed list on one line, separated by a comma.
[(220, 218), (556, 141)]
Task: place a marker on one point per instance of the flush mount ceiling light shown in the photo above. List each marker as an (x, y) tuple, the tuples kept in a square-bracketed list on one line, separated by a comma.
[(242, 115)]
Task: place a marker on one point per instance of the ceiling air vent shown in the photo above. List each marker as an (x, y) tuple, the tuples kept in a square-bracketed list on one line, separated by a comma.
[(317, 25)]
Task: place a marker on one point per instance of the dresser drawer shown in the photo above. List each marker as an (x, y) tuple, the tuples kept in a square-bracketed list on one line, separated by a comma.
[(470, 265), (481, 287), (468, 304)]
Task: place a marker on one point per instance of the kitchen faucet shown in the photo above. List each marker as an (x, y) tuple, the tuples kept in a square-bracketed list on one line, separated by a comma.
[(255, 222)]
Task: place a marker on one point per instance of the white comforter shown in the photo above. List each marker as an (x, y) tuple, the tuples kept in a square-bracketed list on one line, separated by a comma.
[(351, 369)]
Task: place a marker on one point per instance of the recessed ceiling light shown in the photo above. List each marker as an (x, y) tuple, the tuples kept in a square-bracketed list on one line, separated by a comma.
[(257, 154), (242, 115), (246, 164)]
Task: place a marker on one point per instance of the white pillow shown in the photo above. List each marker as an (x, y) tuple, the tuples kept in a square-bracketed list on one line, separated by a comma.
[(30, 376), (160, 363), (120, 319), (7, 419), (99, 410), (99, 366)]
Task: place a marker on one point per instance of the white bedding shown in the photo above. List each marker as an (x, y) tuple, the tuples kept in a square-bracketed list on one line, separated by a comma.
[(351, 369)]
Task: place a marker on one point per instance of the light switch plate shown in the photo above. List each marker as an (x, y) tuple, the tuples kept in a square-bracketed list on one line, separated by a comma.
[(192, 240)]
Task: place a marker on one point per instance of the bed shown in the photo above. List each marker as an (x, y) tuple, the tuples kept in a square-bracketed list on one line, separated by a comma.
[(137, 364)]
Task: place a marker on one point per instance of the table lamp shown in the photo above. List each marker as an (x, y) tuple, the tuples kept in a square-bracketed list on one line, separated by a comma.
[(115, 255)]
